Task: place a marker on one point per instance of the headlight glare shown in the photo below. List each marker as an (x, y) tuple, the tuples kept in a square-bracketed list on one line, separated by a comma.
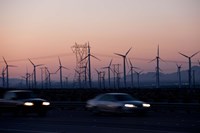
[(146, 105), (46, 103), (130, 106), (28, 104)]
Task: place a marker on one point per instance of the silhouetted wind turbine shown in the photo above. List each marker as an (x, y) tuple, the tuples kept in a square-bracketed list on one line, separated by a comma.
[(157, 68), (99, 77), (179, 74), (190, 67), (124, 62), (3, 77), (34, 71), (109, 68), (85, 73), (138, 78), (132, 68), (89, 64), (7, 72), (49, 76), (60, 68)]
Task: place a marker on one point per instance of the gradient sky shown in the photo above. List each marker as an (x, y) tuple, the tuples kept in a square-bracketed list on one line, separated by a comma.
[(40, 28)]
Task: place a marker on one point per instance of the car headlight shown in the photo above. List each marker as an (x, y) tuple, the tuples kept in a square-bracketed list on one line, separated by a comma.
[(28, 104), (146, 105), (130, 106), (46, 103)]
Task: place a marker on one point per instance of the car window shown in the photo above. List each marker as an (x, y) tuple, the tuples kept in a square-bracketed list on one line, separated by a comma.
[(124, 98), (25, 95), (9, 96), (107, 98)]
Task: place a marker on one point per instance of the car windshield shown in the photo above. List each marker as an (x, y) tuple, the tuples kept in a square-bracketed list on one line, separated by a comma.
[(124, 98), (25, 95)]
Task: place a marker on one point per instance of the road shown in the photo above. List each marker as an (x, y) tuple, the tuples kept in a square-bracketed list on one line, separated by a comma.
[(70, 121)]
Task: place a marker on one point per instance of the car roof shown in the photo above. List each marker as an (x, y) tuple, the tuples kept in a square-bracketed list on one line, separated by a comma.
[(19, 91)]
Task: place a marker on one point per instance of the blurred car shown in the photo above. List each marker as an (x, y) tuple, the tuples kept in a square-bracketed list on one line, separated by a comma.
[(23, 102), (117, 103)]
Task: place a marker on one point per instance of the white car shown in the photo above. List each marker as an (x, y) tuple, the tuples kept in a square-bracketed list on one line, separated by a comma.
[(117, 103)]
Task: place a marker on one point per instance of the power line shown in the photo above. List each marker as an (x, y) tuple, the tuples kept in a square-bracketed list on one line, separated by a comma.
[(41, 57)]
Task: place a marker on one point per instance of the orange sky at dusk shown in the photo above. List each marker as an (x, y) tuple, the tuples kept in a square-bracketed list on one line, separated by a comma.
[(38, 28)]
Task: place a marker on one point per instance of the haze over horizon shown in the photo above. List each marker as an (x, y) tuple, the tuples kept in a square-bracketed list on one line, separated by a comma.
[(49, 28)]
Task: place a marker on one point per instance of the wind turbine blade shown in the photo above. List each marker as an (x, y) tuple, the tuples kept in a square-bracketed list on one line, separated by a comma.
[(57, 70), (184, 55), (65, 67), (195, 54), (130, 63), (110, 63), (11, 66), (158, 51), (162, 60), (127, 62), (5, 61), (95, 57), (105, 67), (76, 71), (31, 62), (119, 54), (128, 51), (97, 71), (39, 65), (152, 60), (59, 61), (84, 58)]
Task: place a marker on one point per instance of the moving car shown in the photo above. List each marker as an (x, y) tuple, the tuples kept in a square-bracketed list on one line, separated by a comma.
[(117, 103), (23, 102)]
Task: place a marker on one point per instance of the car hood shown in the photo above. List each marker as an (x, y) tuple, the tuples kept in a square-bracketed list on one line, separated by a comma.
[(33, 100), (137, 103)]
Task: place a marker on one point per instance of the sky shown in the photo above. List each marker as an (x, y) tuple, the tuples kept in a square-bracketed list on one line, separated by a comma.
[(49, 28)]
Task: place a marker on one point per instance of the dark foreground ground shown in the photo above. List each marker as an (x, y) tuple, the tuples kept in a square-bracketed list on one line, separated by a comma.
[(79, 121)]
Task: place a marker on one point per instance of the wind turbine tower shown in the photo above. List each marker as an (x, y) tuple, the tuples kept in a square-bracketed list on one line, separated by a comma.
[(89, 65), (179, 75), (124, 62), (109, 68), (157, 68), (190, 67), (132, 68), (34, 72), (7, 72), (3, 77), (60, 68)]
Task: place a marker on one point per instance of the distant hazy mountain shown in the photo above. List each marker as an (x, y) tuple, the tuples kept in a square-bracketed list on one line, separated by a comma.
[(146, 79), (168, 78)]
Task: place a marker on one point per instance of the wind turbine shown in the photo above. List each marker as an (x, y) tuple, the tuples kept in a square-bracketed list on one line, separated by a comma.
[(3, 77), (190, 67), (179, 74), (60, 68), (124, 61), (157, 68), (138, 78), (34, 71), (85, 73), (99, 77), (89, 64), (132, 68), (7, 72), (49, 76), (109, 68)]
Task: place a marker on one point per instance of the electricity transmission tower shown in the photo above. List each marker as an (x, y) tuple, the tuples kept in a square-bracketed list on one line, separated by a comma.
[(81, 51)]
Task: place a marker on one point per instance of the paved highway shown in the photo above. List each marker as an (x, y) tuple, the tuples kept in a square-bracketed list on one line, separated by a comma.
[(68, 121)]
